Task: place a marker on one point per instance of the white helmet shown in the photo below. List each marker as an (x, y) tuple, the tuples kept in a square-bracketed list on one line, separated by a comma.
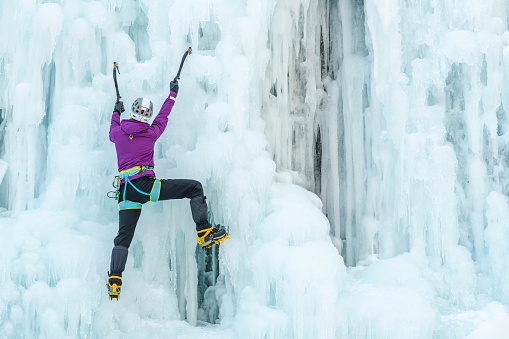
[(142, 110)]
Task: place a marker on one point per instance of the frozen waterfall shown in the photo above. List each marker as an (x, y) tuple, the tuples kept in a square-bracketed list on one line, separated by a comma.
[(356, 150)]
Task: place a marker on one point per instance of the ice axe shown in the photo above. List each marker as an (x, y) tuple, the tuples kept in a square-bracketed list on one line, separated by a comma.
[(189, 50), (115, 70)]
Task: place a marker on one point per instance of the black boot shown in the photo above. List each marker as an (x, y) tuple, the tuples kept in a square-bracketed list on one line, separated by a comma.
[(114, 284), (211, 236)]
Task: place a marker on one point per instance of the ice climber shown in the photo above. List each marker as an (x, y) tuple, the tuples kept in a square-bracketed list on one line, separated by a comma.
[(134, 140)]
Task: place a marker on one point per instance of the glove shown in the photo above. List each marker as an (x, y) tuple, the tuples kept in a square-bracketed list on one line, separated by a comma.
[(119, 107), (174, 86)]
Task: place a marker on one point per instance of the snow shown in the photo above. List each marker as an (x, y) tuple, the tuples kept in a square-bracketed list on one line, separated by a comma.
[(390, 298), (356, 151)]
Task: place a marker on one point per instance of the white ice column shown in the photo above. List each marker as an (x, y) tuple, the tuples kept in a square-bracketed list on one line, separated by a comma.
[(389, 106), (23, 58), (292, 87), (354, 76)]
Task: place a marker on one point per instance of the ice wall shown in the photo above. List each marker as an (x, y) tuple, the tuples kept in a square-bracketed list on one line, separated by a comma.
[(56, 223), (392, 112), (426, 160), (437, 93), (407, 149)]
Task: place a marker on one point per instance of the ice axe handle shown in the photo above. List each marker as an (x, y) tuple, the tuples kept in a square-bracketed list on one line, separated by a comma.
[(189, 50), (115, 70)]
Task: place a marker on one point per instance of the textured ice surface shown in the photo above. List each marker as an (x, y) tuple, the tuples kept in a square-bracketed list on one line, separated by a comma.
[(366, 133)]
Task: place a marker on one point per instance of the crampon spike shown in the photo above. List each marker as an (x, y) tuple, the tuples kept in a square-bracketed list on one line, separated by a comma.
[(216, 242)]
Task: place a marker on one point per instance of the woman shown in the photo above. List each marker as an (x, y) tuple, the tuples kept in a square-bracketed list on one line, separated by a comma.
[(134, 140)]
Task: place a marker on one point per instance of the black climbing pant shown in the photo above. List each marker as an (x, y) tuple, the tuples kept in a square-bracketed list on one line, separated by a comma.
[(128, 218)]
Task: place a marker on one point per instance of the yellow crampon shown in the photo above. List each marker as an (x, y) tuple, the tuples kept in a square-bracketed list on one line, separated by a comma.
[(217, 241), (201, 240), (206, 243), (114, 290)]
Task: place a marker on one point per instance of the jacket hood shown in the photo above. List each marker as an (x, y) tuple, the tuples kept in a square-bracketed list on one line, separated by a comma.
[(131, 126)]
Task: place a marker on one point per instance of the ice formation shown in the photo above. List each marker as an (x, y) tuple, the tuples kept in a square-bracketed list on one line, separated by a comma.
[(357, 151)]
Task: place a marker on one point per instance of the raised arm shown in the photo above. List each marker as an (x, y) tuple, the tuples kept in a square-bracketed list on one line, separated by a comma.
[(160, 122), (115, 119)]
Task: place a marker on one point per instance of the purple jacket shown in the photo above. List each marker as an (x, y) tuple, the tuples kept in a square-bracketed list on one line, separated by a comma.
[(134, 140)]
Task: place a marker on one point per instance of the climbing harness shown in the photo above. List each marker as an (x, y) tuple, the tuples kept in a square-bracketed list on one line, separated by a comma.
[(126, 174)]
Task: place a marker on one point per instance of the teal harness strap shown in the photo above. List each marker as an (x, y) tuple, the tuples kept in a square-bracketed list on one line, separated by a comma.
[(136, 188), (129, 205), (156, 190), (154, 195), (134, 170)]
